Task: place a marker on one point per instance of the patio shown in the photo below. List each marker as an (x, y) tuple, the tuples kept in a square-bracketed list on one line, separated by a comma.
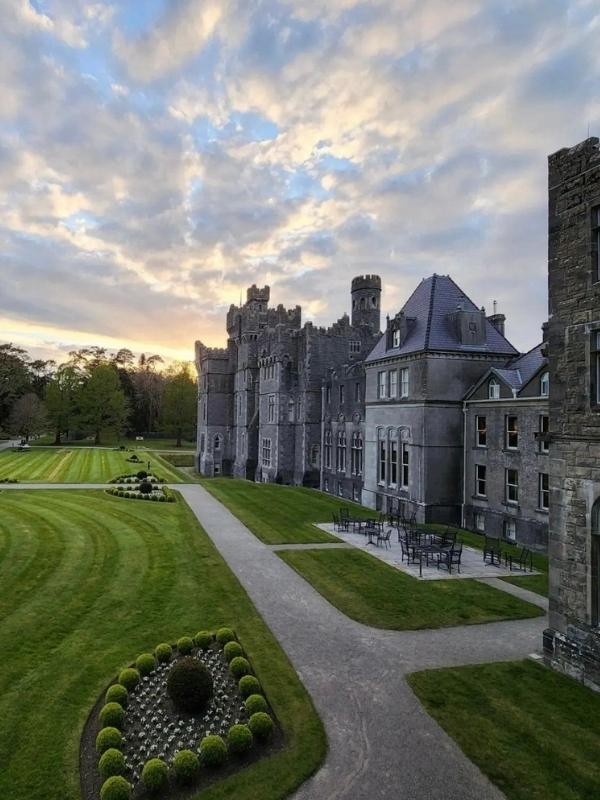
[(472, 564)]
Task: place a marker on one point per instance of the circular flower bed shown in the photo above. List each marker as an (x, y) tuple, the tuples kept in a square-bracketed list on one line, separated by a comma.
[(151, 740), (141, 486)]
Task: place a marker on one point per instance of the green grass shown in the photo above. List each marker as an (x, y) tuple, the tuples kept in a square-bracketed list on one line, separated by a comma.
[(374, 593), (90, 581), (280, 514), (180, 459), (78, 465), (535, 733)]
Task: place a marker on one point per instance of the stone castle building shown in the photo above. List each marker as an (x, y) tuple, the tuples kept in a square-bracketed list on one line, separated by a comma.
[(439, 413), (572, 642)]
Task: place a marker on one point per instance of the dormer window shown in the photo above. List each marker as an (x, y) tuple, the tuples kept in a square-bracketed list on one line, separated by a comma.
[(493, 389), (545, 384), (396, 338)]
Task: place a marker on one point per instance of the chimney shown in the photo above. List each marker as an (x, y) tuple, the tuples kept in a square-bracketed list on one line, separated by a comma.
[(498, 320)]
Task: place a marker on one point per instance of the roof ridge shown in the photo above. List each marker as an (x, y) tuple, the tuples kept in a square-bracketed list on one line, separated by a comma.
[(466, 296), (430, 312)]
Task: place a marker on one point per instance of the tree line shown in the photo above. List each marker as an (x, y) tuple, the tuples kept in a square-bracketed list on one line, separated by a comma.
[(95, 393)]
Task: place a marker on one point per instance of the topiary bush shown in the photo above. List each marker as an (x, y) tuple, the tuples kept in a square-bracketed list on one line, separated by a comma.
[(115, 788), (186, 766), (203, 639), (239, 667), (163, 652), (145, 663), (117, 693), (261, 725), (232, 650), (185, 645), (145, 488), (255, 703), (224, 635), (141, 474), (249, 685), (129, 678), (213, 751), (239, 740), (112, 762), (112, 715), (107, 738), (155, 775), (190, 685)]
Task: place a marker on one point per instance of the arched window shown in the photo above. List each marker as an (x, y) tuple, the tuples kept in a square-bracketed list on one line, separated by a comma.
[(243, 442), (493, 389), (202, 440), (545, 384), (341, 451), (357, 453), (595, 565), (327, 449), (291, 410), (218, 440), (362, 302), (315, 460)]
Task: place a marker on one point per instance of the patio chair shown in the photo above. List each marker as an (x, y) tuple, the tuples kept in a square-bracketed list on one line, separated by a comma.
[(520, 561), (339, 523), (451, 557), (385, 538), (492, 550)]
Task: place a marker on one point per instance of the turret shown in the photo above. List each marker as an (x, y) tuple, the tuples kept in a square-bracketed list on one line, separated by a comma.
[(366, 301)]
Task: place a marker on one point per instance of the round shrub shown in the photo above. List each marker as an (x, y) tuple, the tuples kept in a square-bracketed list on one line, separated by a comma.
[(145, 488), (145, 663), (117, 693), (186, 765), (112, 762), (249, 685), (155, 775), (232, 650), (213, 751), (203, 639), (255, 703), (170, 499), (162, 499), (261, 725), (107, 738), (225, 635), (239, 667), (112, 715), (141, 474), (190, 685), (129, 678), (115, 788), (185, 645), (239, 740), (163, 652)]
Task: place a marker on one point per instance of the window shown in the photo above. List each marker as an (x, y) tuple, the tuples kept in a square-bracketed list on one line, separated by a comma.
[(595, 369), (340, 489), (328, 395), (314, 456), (393, 462), (493, 389), (217, 441), (327, 449), (355, 493), (271, 409), (382, 457), (341, 452), (595, 566), (596, 244), (326, 484), (243, 442), (510, 530), (544, 491), (511, 439), (544, 428), (393, 383), (481, 431), (404, 382), (545, 384), (342, 393), (204, 407), (396, 338), (405, 464), (266, 452), (354, 346), (512, 486), (291, 410), (357, 392), (381, 379), (202, 443), (479, 520), (480, 480), (357, 454)]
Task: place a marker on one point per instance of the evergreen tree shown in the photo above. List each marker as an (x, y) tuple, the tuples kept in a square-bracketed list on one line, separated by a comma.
[(179, 403), (61, 400), (102, 403)]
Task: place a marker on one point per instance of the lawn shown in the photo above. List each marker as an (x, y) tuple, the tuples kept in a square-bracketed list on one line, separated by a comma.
[(376, 594), (535, 733), (78, 465), (280, 514), (90, 581)]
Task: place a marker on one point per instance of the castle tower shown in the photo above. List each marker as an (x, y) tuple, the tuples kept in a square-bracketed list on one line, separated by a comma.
[(366, 301)]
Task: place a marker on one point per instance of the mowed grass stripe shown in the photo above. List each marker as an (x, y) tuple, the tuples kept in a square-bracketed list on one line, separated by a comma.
[(60, 466), (122, 577)]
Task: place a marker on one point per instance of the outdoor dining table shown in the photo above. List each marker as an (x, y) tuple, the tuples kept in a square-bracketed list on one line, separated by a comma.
[(425, 548)]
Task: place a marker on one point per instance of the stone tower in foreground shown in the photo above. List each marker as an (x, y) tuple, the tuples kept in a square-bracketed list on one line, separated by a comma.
[(572, 641)]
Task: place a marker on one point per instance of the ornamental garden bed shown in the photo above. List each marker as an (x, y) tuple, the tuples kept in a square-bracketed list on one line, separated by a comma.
[(141, 485), (175, 721)]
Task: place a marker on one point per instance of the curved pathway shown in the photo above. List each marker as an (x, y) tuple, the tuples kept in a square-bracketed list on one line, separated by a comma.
[(382, 743)]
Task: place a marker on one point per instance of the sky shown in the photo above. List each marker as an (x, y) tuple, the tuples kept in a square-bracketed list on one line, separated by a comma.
[(158, 157)]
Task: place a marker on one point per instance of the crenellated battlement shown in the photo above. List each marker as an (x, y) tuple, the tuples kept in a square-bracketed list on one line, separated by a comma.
[(366, 282), (254, 293)]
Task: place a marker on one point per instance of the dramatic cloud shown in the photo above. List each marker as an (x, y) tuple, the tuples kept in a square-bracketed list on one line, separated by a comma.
[(157, 157)]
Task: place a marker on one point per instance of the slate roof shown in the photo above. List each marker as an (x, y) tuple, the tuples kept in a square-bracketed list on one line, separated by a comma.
[(430, 304), (518, 372)]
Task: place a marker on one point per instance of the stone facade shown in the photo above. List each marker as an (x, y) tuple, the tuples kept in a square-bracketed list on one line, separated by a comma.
[(572, 642)]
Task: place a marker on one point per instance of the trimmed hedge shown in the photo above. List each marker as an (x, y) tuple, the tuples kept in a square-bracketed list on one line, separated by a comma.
[(146, 663), (249, 685), (163, 652), (107, 738), (213, 751), (112, 762), (185, 645), (239, 740), (112, 715), (129, 678), (239, 666), (155, 775), (255, 703), (232, 650), (186, 766), (117, 693), (203, 639), (115, 788), (261, 725), (190, 685), (224, 635)]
